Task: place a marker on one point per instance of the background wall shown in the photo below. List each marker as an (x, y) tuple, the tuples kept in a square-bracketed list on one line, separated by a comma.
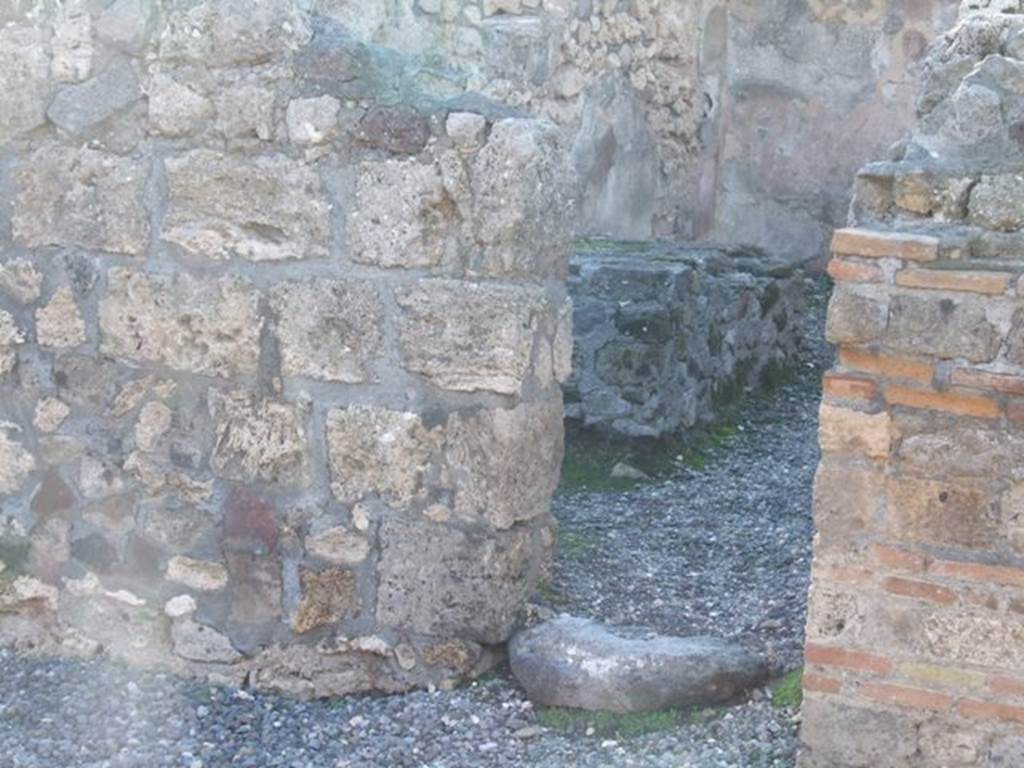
[(739, 120)]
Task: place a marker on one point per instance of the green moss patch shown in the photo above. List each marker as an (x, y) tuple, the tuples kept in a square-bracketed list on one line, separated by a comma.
[(613, 724), (788, 691)]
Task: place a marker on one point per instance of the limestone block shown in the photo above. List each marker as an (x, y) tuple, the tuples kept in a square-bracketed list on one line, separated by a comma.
[(524, 193), (59, 324), (20, 280), (78, 108), (246, 110), (15, 461), (72, 46), (838, 733), (10, 337), (327, 598), (177, 526), (467, 130), (338, 545), (200, 575), (257, 208), (374, 450), (127, 24), (943, 327), (26, 591), (971, 637), (454, 583), (81, 197), (154, 421), (503, 464), (181, 605), (24, 80), (328, 329), (469, 336), (947, 513), (401, 216), (259, 439), (844, 430), (208, 325), (50, 413), (855, 316), (176, 109), (847, 499), (313, 121), (997, 202), (198, 642), (233, 33)]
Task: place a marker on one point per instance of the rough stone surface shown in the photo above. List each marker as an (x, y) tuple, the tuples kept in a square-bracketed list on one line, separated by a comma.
[(175, 109), (21, 281), (84, 198), (15, 461), (199, 642), (498, 323), (339, 545), (203, 326), (259, 440), (79, 108), (312, 121), (10, 337), (378, 451), (336, 335), (327, 598), (465, 583), (401, 216), (571, 662), (260, 209), (197, 574), (59, 324), (497, 462), (24, 80)]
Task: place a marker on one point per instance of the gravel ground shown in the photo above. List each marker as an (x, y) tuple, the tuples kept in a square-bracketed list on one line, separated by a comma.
[(724, 550)]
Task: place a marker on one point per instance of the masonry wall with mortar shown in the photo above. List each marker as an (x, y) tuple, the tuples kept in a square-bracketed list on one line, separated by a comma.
[(279, 356), (916, 622)]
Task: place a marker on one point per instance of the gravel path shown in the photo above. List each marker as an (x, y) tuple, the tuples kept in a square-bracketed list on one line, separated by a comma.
[(724, 550)]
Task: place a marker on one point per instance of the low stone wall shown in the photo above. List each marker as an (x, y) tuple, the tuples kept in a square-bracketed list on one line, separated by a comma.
[(279, 359), (915, 636), (667, 336)]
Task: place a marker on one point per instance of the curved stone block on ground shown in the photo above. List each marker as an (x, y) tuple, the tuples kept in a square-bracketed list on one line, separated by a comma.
[(578, 663)]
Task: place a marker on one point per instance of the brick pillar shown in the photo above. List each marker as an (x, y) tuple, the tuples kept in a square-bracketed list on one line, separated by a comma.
[(915, 638)]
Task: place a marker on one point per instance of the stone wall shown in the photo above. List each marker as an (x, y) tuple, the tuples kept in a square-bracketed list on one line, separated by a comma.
[(280, 349), (914, 638), (669, 336), (740, 121)]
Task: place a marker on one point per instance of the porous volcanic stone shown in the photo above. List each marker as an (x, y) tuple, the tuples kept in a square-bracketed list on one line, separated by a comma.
[(571, 662)]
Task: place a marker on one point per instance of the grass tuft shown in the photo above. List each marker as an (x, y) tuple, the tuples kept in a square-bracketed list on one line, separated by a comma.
[(788, 691), (606, 724)]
